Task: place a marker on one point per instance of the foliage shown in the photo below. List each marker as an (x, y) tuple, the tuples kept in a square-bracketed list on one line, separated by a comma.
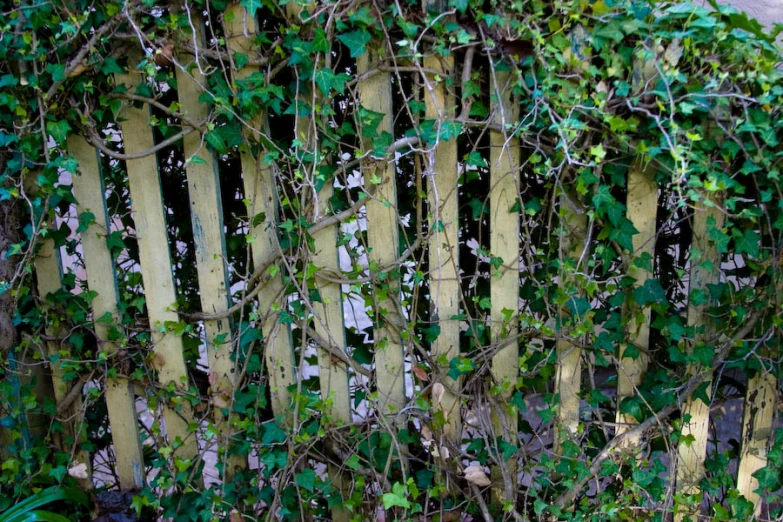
[(691, 93), (27, 510)]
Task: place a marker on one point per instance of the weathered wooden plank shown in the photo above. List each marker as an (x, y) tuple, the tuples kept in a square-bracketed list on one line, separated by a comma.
[(759, 410), (260, 192), (642, 204), (441, 163), (573, 244), (573, 247), (89, 191), (160, 293), (48, 271), (383, 242), (704, 271), (328, 312), (206, 211), (504, 164)]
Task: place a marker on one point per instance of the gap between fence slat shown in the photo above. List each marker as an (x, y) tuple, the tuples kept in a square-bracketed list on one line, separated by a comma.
[(156, 268), (88, 190)]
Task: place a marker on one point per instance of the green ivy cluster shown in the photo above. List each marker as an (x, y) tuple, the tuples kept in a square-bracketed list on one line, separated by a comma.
[(603, 86)]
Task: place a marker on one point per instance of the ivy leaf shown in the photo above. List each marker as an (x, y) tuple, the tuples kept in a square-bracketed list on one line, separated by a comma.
[(58, 130), (747, 243), (306, 480), (650, 292), (355, 41), (397, 497), (251, 5)]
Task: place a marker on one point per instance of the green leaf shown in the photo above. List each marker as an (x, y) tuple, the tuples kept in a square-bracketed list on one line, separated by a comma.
[(397, 497), (747, 242), (252, 6), (58, 130), (306, 480), (356, 41)]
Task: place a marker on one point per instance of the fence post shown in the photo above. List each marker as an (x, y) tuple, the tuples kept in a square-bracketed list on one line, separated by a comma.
[(206, 209), (573, 245), (642, 207), (151, 233), (383, 242), (48, 271), (259, 183), (89, 191), (504, 163), (759, 409), (328, 311), (441, 164), (704, 271)]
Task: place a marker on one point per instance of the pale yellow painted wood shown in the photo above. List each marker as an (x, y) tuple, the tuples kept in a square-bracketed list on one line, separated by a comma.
[(441, 163), (48, 270), (573, 247), (504, 158), (261, 194), (642, 204), (89, 192), (504, 164), (88, 189), (704, 271), (206, 211), (759, 410), (383, 241), (160, 293)]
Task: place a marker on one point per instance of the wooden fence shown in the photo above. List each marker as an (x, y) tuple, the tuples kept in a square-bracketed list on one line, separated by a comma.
[(395, 366)]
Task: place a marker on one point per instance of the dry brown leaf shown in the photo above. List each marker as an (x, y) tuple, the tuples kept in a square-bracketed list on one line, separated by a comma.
[(420, 373), (475, 474)]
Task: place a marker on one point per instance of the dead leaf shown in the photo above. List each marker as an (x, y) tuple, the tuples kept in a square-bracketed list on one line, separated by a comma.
[(420, 373), (475, 474), (220, 400), (213, 378), (234, 516), (438, 390)]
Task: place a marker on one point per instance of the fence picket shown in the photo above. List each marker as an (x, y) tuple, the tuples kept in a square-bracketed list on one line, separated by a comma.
[(328, 312), (259, 183), (156, 268), (48, 270), (573, 244), (759, 410), (207, 219), (504, 165), (88, 189), (704, 271), (383, 242), (442, 172), (642, 205)]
